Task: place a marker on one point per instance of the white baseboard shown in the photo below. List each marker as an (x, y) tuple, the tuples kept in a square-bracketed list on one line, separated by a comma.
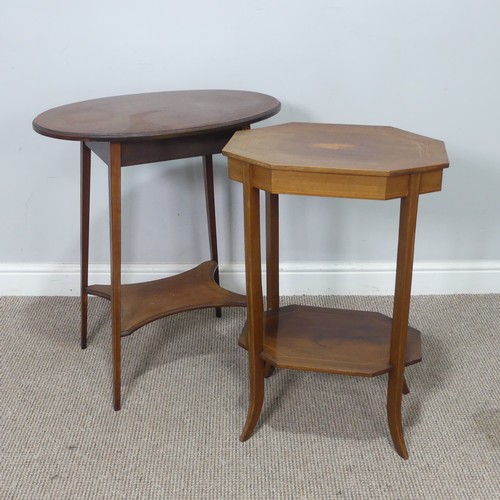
[(309, 278)]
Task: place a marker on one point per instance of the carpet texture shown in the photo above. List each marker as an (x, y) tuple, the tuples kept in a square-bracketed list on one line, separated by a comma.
[(184, 399)]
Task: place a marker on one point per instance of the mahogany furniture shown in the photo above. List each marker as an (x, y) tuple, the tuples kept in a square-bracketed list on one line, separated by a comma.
[(144, 128), (348, 161)]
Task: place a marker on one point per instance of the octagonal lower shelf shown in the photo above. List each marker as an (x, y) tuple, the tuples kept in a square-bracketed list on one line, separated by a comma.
[(331, 340)]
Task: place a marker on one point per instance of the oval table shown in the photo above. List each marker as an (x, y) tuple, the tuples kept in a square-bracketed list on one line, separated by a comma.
[(144, 128)]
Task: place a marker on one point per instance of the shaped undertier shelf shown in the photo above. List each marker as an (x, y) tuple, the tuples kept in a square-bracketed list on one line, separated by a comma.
[(149, 301)]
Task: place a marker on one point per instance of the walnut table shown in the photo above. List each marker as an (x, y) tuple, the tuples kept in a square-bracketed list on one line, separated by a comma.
[(348, 161), (144, 128)]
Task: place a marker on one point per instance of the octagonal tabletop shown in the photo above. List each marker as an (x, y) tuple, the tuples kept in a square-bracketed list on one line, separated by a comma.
[(359, 149), (293, 158)]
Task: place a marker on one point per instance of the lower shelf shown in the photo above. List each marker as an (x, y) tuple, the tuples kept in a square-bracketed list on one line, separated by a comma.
[(331, 340), (143, 303)]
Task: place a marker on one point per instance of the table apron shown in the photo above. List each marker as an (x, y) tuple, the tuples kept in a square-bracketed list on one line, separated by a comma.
[(333, 184), (155, 150)]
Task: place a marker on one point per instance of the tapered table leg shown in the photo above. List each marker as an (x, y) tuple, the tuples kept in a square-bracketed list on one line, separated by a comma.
[(115, 228), (396, 383), (84, 238), (208, 174), (272, 259), (255, 322)]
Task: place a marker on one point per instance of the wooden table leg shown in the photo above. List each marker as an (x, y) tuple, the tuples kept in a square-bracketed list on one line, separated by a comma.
[(115, 228), (272, 251), (208, 174), (84, 238), (255, 322), (272, 259), (396, 383)]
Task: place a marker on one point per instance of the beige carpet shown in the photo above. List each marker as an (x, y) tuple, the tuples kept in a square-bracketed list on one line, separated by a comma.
[(184, 403)]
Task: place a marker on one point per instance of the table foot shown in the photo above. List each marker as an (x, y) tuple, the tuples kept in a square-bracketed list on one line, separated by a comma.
[(406, 389), (84, 322), (256, 400), (394, 400), (117, 402)]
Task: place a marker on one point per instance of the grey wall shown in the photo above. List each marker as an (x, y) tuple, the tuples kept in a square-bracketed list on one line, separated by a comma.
[(428, 67)]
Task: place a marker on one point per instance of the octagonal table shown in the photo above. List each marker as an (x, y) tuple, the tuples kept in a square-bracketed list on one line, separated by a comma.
[(348, 161)]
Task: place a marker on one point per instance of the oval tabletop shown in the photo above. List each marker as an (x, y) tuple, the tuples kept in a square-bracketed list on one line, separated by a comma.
[(155, 115)]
